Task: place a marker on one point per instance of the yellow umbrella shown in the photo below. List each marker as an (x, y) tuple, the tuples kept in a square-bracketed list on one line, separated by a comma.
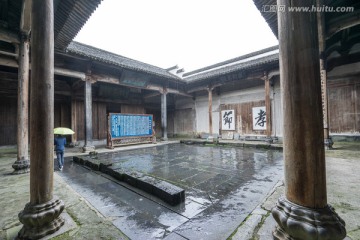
[(63, 131)]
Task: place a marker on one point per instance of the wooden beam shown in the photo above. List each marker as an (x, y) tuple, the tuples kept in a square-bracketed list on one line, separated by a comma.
[(273, 73), (69, 73), (64, 93), (170, 90), (224, 82), (97, 99), (9, 54), (8, 62), (106, 79), (343, 60), (336, 25), (158, 88), (203, 88), (7, 36), (150, 95), (25, 22)]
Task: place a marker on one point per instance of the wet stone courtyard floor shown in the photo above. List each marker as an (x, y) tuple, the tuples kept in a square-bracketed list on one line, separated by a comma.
[(223, 185)]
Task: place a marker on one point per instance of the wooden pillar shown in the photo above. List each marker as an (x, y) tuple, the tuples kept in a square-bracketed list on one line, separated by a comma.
[(164, 115), (303, 213), (22, 164), (88, 147), (210, 89), (321, 31), (73, 117), (41, 216), (268, 108)]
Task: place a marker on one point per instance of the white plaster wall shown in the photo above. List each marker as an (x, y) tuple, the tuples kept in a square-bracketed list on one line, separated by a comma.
[(202, 115), (200, 104), (184, 103), (276, 110), (239, 96), (244, 95)]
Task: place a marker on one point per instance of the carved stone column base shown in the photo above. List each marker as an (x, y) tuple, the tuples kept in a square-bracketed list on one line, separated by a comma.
[(21, 166), (328, 142), (87, 149), (298, 222), (41, 220)]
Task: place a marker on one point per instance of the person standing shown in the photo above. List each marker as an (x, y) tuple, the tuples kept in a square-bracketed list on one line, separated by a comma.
[(59, 142)]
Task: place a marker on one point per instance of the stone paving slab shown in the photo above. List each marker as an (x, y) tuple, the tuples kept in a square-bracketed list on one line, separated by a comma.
[(137, 215), (164, 190), (343, 193)]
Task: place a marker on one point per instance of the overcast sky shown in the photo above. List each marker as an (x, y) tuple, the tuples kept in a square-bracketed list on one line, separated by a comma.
[(188, 33)]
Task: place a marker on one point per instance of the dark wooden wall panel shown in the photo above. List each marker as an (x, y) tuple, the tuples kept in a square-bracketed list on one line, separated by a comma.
[(80, 117), (62, 114), (344, 106), (95, 121), (102, 122), (170, 123), (184, 121), (99, 120), (135, 109), (8, 121), (243, 111), (157, 120)]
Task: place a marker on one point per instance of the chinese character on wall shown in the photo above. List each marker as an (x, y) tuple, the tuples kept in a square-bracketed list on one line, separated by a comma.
[(259, 118), (228, 120)]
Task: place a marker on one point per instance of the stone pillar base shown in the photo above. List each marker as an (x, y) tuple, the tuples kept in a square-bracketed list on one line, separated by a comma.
[(87, 149), (328, 142), (21, 166), (298, 222), (41, 220)]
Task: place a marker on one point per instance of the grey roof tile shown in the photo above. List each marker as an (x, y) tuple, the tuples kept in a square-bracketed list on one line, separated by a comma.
[(117, 60), (244, 62), (232, 65)]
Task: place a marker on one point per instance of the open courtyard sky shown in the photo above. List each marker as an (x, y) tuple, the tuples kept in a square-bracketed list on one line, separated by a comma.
[(188, 33)]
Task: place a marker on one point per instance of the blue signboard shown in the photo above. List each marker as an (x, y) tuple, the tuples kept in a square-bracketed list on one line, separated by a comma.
[(130, 125)]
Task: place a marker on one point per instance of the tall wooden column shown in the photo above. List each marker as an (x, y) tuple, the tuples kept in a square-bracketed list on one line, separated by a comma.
[(268, 108), (321, 31), (210, 89), (73, 117), (22, 164), (303, 213), (88, 116), (164, 115), (41, 216)]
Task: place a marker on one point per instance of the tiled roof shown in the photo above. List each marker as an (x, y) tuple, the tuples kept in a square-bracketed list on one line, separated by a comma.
[(265, 56), (117, 60), (254, 59), (269, 15), (267, 10), (70, 16)]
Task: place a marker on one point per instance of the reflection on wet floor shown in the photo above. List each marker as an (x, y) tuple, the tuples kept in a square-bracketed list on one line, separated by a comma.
[(222, 186)]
